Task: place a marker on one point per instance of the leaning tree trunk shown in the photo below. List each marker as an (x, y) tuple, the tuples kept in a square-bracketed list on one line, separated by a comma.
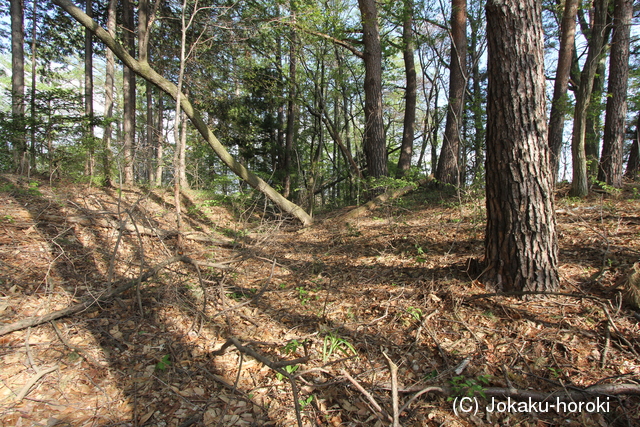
[(610, 170), (560, 102), (145, 71), (448, 170), (520, 242)]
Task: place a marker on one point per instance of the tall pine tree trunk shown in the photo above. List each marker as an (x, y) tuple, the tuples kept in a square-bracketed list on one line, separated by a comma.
[(580, 184), (408, 53), (109, 82), (88, 94), (560, 102), (448, 171), (34, 61), (375, 148), (17, 86), (610, 170), (129, 93), (520, 243), (292, 112)]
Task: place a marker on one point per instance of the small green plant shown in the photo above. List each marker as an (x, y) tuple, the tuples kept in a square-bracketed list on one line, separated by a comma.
[(333, 342), (303, 295), (420, 259), (462, 386), (416, 313), (290, 369), (236, 295), (305, 402), (291, 347), (164, 363), (555, 372), (8, 218)]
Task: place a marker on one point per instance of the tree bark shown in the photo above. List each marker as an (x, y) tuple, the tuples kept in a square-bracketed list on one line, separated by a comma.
[(520, 243), (559, 105), (610, 170), (375, 149), (292, 111), (448, 171), (17, 86), (146, 72), (476, 25), (108, 95), (34, 80), (129, 94), (88, 93), (408, 53), (580, 185), (633, 164), (159, 142)]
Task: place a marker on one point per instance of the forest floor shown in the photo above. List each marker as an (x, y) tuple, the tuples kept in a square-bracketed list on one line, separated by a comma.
[(344, 301)]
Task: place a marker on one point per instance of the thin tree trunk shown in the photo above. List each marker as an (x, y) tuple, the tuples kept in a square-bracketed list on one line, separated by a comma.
[(108, 91), (448, 171), (182, 160), (593, 122), (159, 141), (610, 170), (560, 102), (520, 243), (408, 53), (129, 92), (34, 33), (477, 94), (374, 140), (150, 136), (88, 93), (292, 111), (17, 86), (580, 185)]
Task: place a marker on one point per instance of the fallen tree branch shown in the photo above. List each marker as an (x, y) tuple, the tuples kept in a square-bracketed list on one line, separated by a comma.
[(276, 366), (381, 412), (389, 195), (34, 379), (88, 303)]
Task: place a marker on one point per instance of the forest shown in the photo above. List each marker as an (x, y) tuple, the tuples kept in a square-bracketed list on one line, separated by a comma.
[(334, 213)]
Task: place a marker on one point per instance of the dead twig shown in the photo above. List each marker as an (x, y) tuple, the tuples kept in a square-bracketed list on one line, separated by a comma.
[(366, 394), (32, 381), (265, 361), (393, 369), (86, 356)]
